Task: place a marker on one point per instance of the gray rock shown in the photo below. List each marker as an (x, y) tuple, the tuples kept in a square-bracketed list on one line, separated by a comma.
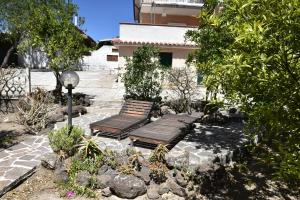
[(56, 117), (49, 161), (144, 174), (103, 181), (102, 169), (152, 192), (61, 175), (83, 178), (128, 186), (106, 192), (111, 172), (177, 159), (176, 189), (163, 188), (180, 180)]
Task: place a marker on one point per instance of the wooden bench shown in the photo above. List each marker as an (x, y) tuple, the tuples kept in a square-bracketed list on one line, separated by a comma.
[(132, 115), (163, 131)]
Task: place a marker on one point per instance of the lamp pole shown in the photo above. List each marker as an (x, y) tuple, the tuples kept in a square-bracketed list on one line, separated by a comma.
[(69, 105), (70, 80)]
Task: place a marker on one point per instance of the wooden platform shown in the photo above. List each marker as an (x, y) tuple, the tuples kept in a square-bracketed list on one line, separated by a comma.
[(132, 115), (163, 131)]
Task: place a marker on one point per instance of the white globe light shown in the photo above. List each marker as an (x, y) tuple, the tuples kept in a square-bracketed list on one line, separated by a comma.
[(69, 79)]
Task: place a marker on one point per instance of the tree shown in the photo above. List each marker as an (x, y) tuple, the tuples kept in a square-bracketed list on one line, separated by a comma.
[(46, 25), (182, 84), (143, 77), (13, 15), (250, 52)]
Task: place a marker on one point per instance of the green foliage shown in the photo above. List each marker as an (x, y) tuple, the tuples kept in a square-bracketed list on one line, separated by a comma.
[(111, 158), (143, 76), (88, 148), (159, 154), (250, 52), (62, 140)]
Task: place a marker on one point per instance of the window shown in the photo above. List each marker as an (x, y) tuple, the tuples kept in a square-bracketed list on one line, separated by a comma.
[(165, 59), (200, 76), (115, 50), (113, 58)]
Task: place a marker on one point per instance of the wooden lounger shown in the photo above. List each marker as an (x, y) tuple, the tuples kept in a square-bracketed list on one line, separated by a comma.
[(163, 131), (132, 115)]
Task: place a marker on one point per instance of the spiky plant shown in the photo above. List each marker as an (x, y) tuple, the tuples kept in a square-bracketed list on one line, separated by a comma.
[(159, 154)]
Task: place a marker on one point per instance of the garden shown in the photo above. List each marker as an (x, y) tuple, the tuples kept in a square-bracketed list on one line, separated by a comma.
[(243, 144)]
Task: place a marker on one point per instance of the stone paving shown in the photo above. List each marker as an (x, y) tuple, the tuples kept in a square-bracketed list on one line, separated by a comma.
[(203, 145), (21, 160)]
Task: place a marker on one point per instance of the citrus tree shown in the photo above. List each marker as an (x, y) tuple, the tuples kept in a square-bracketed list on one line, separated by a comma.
[(143, 76), (250, 52)]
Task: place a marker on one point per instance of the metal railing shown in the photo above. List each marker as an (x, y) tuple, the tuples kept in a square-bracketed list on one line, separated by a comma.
[(187, 2)]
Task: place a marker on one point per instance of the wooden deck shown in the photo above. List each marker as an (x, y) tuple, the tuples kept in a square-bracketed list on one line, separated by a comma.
[(163, 131), (132, 115)]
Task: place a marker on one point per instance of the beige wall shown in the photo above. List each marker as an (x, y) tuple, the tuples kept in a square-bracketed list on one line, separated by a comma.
[(179, 55)]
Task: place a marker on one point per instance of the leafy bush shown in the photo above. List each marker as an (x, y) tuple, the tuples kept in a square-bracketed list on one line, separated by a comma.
[(33, 110), (250, 52), (62, 140), (143, 78)]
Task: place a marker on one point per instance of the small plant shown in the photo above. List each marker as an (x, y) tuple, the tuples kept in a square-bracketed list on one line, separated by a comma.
[(126, 169), (88, 148), (158, 172), (159, 154), (110, 158), (33, 110), (136, 160), (62, 140)]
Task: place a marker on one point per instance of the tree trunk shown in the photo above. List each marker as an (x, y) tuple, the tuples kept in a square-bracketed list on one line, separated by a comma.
[(6, 58), (58, 89)]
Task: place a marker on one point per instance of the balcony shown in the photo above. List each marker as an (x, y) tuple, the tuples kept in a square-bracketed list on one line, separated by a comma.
[(196, 3), (154, 34)]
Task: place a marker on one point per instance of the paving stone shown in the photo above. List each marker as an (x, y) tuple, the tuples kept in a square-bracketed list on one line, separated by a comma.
[(16, 172), (19, 146), (27, 157), (27, 163), (7, 163), (3, 154)]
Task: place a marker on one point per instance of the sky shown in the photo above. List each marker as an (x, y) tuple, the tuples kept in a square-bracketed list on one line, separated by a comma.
[(102, 17)]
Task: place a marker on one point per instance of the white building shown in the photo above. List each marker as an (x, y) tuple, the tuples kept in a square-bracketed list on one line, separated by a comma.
[(104, 58), (162, 23)]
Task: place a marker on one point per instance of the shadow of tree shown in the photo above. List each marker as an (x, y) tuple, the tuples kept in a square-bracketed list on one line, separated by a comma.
[(210, 137)]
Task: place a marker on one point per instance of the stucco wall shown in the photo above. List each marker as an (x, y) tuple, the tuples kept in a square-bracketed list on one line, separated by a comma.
[(98, 60), (179, 55), (153, 33)]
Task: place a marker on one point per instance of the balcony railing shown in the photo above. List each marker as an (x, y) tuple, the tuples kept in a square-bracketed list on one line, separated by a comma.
[(182, 2)]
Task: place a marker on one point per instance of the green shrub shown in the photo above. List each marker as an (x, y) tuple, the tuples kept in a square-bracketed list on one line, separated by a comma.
[(62, 140), (143, 76)]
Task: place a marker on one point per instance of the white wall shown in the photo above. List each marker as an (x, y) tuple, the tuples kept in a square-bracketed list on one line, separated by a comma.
[(153, 33), (98, 60), (34, 58)]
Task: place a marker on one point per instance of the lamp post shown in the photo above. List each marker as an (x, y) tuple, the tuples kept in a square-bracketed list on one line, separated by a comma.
[(69, 79)]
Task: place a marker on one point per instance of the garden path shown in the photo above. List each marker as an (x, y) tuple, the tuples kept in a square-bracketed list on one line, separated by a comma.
[(21, 160)]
